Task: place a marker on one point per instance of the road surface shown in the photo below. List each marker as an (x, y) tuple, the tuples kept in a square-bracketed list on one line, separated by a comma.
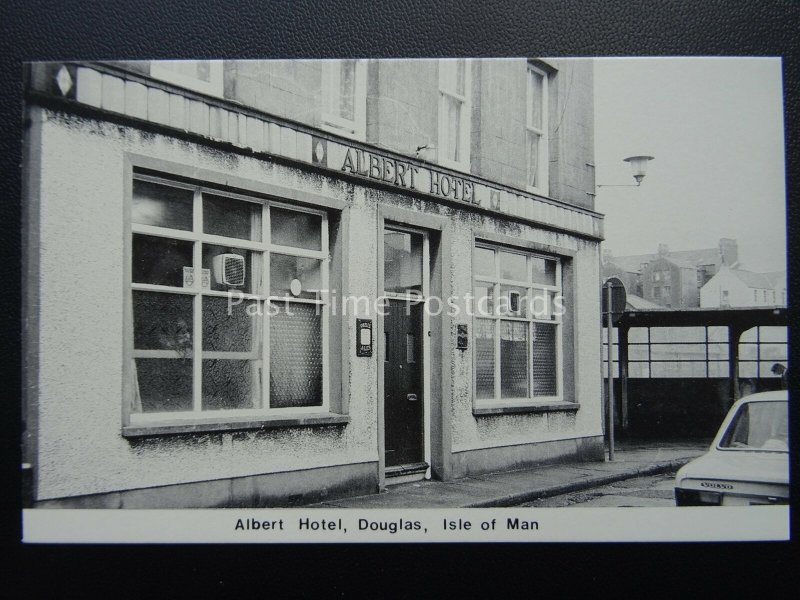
[(652, 490)]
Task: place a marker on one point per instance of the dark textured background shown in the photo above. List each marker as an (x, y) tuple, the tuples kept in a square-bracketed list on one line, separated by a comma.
[(89, 29)]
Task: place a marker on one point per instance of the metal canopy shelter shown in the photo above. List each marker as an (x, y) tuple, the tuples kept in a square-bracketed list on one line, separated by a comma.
[(737, 320)]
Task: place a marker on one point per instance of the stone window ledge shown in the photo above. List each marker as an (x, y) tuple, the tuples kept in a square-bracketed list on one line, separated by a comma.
[(234, 424), (510, 409)]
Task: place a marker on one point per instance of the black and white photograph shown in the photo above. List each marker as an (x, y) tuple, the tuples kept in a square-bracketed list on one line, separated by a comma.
[(429, 300)]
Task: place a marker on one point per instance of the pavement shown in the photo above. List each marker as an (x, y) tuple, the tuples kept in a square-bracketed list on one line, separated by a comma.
[(512, 488)]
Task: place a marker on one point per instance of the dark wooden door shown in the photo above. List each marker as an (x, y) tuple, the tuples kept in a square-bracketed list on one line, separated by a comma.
[(402, 381)]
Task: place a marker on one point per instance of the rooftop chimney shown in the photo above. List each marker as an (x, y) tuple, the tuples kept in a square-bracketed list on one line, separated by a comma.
[(663, 249), (728, 251)]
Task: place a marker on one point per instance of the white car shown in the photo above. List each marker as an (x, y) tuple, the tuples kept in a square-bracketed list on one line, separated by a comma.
[(748, 462)]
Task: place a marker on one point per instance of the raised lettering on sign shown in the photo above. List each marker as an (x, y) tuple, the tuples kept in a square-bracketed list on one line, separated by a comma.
[(402, 174)]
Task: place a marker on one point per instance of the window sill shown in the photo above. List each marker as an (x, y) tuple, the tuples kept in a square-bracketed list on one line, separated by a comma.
[(232, 424), (510, 409)]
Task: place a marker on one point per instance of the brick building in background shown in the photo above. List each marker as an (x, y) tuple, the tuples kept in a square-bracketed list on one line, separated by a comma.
[(691, 278), (671, 279), (157, 191)]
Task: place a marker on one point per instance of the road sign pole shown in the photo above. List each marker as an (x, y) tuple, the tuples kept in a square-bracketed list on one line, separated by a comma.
[(609, 330)]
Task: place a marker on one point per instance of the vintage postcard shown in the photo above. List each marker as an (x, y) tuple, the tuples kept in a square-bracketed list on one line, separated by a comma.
[(392, 300)]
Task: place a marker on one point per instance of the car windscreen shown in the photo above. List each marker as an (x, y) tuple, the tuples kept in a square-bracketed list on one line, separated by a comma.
[(759, 426)]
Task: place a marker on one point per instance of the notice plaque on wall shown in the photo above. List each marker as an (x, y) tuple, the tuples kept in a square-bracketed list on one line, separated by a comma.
[(364, 337), (462, 336)]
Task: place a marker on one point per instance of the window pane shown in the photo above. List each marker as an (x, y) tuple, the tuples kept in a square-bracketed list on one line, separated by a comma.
[(196, 69), (543, 305), (773, 334), (773, 351), (484, 358), (748, 369), (717, 334), (513, 359), (230, 384), (484, 299), (484, 262), (460, 69), (533, 159), (230, 329), (410, 348), (229, 268), (544, 271), (453, 128), (678, 334), (347, 90), (161, 205), (160, 261), (718, 368), (296, 357), (164, 384), (402, 262), (748, 351), (295, 276), (535, 98), (751, 335), (295, 229), (231, 218), (453, 75), (513, 266), (513, 301), (543, 347), (718, 351), (162, 322)]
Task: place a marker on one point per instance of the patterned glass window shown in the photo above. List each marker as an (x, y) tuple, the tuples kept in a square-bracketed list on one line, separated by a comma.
[(518, 310), (228, 313)]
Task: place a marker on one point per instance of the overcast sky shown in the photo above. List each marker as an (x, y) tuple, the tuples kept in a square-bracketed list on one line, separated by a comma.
[(715, 128)]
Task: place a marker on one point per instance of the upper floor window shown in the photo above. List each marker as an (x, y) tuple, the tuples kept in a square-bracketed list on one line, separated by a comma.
[(204, 76), (455, 111), (344, 91), (536, 131)]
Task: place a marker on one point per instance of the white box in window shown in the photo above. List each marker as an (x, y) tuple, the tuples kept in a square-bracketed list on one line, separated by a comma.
[(229, 269)]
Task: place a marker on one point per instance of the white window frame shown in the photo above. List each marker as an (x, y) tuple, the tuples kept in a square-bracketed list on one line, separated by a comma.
[(331, 119), (530, 129), (212, 87), (448, 66), (496, 282), (265, 248)]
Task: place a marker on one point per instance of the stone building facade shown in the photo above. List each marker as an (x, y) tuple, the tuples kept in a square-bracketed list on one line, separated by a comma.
[(233, 271)]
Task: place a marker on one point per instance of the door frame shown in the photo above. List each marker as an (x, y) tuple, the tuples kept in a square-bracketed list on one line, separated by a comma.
[(426, 342), (439, 359)]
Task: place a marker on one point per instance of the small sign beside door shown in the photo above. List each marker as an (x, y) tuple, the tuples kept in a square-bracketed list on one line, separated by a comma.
[(462, 336), (364, 337)]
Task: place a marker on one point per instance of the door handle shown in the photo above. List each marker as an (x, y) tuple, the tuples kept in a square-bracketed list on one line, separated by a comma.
[(411, 397)]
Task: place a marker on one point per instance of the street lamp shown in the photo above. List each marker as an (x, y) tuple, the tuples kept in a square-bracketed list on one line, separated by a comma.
[(614, 302), (639, 169)]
